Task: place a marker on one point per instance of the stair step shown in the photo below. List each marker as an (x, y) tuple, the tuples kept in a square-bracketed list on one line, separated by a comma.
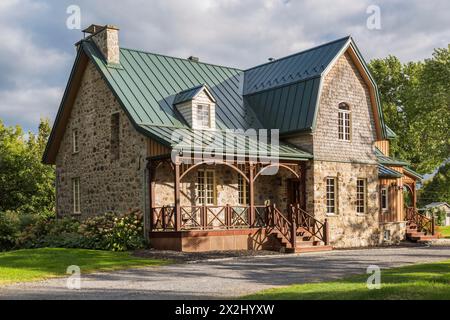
[(424, 238), (308, 243), (310, 249), (415, 234)]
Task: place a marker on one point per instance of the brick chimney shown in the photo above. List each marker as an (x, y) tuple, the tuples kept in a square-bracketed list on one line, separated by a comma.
[(107, 40)]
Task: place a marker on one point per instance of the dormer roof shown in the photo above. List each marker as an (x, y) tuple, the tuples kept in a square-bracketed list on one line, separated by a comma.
[(192, 93)]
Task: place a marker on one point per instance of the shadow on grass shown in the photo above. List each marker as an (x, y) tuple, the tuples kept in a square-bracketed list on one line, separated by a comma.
[(417, 282)]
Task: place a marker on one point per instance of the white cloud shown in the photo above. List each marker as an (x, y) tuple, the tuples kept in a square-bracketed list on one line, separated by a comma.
[(28, 106)]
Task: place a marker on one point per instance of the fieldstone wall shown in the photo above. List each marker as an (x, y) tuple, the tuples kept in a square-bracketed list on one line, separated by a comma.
[(396, 230), (107, 185), (347, 227)]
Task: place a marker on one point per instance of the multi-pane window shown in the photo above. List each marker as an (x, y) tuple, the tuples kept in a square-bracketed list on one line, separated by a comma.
[(361, 195), (115, 136), (206, 189), (344, 122), (76, 195), (384, 198), (203, 116), (75, 141), (243, 190), (331, 195)]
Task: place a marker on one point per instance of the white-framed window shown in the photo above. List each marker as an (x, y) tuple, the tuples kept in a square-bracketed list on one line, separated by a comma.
[(384, 198), (206, 187), (344, 122), (243, 190), (76, 195), (361, 196), (75, 141), (331, 195), (203, 116)]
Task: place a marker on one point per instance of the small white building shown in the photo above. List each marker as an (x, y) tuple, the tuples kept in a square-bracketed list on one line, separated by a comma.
[(441, 206)]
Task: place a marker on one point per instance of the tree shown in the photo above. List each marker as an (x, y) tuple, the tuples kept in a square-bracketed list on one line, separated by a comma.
[(26, 184), (438, 189), (416, 103)]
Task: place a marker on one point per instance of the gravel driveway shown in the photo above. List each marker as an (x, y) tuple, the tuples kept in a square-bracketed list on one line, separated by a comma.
[(224, 278)]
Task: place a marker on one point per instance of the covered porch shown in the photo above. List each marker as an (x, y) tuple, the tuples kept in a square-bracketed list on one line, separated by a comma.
[(211, 204)]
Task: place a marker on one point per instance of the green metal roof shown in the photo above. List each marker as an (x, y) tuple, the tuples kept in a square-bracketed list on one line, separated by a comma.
[(283, 94), (413, 173), (221, 142), (385, 172), (146, 85), (383, 159), (301, 66), (390, 133)]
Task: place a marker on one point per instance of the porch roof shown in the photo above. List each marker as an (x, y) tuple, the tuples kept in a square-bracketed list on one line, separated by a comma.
[(385, 160), (223, 142), (388, 173), (411, 172)]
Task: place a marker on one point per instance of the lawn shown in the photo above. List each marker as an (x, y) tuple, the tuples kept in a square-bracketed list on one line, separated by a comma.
[(422, 281), (445, 231), (39, 264)]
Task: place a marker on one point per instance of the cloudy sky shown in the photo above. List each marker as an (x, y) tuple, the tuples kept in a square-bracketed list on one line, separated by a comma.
[(37, 52)]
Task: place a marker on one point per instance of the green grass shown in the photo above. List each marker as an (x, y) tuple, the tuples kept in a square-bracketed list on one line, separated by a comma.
[(445, 231), (422, 281), (39, 264)]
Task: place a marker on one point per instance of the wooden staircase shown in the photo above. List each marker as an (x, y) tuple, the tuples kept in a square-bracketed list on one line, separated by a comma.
[(299, 232), (419, 228)]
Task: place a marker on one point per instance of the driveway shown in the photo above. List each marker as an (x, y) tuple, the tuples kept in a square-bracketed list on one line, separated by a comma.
[(222, 279)]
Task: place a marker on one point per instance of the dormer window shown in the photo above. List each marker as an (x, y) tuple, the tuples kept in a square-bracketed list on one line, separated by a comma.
[(344, 126), (198, 107), (203, 116)]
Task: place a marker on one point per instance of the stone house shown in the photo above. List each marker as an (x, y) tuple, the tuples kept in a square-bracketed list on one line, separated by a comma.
[(292, 154)]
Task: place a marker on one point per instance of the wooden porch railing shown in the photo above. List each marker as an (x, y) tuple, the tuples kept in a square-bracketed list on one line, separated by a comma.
[(284, 226), (240, 217), (317, 229), (423, 223), (209, 218)]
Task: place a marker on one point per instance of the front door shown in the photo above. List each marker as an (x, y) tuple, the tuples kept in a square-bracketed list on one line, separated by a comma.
[(294, 193)]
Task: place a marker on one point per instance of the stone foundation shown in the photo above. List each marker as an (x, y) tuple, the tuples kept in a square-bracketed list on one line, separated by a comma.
[(397, 232)]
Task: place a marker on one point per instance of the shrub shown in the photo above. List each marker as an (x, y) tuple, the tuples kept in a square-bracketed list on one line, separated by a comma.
[(106, 232), (9, 230), (114, 232), (126, 233), (48, 232)]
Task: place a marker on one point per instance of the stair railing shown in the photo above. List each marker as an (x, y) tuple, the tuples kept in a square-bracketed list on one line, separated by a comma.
[(423, 223), (285, 226), (317, 229)]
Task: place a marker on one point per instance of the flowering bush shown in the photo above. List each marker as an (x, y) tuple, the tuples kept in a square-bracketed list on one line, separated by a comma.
[(106, 232)]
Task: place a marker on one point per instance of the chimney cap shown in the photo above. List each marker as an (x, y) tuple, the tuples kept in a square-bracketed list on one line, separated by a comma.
[(94, 28), (194, 59)]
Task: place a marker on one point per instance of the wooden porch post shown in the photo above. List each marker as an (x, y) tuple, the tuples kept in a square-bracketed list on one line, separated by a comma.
[(303, 186), (414, 196), (151, 190), (252, 194), (177, 196)]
